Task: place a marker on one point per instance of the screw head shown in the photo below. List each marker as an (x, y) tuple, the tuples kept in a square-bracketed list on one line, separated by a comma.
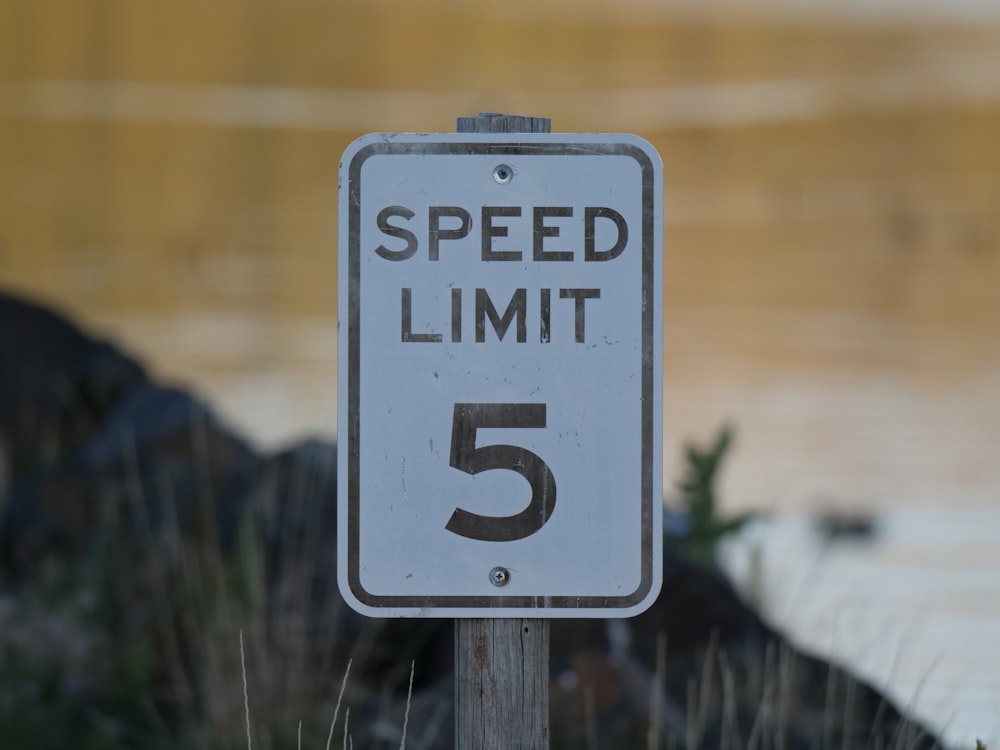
[(503, 174), (499, 576)]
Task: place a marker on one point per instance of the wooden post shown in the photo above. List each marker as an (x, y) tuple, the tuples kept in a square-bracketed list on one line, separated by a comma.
[(502, 664)]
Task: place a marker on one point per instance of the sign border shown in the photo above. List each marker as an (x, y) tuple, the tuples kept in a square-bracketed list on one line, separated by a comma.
[(558, 144)]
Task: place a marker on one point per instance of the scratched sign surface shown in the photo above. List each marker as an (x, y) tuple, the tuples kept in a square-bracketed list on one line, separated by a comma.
[(499, 421)]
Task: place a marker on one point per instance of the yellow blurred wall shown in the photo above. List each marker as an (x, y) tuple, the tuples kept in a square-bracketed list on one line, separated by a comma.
[(812, 167)]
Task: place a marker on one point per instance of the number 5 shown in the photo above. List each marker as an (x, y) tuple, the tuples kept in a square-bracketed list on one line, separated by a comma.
[(465, 456)]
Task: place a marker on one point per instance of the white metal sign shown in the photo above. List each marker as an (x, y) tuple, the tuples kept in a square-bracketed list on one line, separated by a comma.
[(499, 421)]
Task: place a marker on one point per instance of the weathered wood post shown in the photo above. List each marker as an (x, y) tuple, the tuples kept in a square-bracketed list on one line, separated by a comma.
[(502, 664)]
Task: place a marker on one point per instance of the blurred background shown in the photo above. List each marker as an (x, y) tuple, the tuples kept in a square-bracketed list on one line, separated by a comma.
[(168, 175)]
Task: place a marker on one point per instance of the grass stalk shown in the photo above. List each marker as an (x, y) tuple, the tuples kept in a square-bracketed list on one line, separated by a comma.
[(336, 709), (246, 694), (406, 713)]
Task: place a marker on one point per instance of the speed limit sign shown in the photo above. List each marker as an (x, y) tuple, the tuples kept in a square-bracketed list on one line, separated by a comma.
[(500, 369)]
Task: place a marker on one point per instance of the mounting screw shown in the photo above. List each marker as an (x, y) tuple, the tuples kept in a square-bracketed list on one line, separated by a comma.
[(499, 576), (503, 174)]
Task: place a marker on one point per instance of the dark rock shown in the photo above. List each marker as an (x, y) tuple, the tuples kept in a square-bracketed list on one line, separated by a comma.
[(158, 461), (57, 386), (836, 525)]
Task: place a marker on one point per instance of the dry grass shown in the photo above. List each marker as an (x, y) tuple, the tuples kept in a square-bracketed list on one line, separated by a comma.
[(134, 645)]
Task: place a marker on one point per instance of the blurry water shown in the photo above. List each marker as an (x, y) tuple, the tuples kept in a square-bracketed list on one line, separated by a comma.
[(915, 610)]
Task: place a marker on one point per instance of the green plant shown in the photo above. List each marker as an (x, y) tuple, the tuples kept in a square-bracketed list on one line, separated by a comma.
[(699, 500)]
